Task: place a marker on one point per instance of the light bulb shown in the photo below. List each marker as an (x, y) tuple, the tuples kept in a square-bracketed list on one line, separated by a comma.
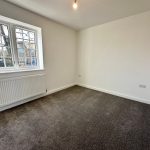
[(75, 5)]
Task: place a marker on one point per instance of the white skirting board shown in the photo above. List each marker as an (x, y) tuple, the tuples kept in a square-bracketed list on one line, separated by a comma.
[(142, 100), (59, 89)]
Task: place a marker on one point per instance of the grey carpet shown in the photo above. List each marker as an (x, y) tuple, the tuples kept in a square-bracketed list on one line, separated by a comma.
[(76, 119)]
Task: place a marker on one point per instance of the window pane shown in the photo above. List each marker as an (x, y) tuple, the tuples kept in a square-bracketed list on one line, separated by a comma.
[(28, 53), (7, 52), (28, 61), (19, 35), (19, 40), (2, 62), (25, 34), (2, 42), (33, 53), (1, 51), (32, 36), (4, 39), (26, 48), (9, 62), (21, 52), (25, 31), (26, 44), (18, 30), (21, 61), (32, 42), (32, 46), (5, 47), (3, 30), (34, 61), (20, 45)]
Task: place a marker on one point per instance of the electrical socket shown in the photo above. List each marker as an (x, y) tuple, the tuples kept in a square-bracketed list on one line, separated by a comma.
[(142, 86)]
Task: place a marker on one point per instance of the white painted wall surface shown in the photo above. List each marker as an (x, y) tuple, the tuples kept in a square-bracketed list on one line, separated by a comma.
[(115, 57), (59, 44)]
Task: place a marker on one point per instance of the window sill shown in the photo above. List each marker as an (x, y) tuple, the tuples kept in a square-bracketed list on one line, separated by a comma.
[(8, 71)]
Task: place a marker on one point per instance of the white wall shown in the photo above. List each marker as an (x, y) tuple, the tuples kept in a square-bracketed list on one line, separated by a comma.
[(59, 44), (115, 57)]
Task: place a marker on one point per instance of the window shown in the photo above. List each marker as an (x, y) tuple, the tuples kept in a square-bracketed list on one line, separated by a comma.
[(26, 47), (20, 46)]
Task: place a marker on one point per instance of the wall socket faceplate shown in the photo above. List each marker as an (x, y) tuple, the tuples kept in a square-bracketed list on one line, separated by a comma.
[(142, 86)]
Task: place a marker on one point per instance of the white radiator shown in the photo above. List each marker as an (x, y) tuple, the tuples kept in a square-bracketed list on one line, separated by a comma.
[(16, 89)]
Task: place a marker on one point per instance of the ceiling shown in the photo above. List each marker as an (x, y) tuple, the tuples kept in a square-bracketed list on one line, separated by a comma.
[(89, 13)]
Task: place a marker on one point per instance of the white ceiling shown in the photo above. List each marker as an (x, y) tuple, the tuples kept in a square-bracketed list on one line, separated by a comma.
[(89, 13)]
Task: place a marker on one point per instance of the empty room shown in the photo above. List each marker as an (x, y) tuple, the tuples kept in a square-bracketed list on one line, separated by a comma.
[(74, 75)]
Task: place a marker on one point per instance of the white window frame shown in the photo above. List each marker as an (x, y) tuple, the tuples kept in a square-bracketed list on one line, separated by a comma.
[(38, 32)]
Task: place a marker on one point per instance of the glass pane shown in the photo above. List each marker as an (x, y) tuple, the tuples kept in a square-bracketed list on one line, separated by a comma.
[(6, 41), (1, 51), (27, 52), (32, 36), (20, 49), (3, 30), (2, 62), (26, 44), (19, 35), (19, 40), (9, 62), (25, 34), (34, 61), (33, 53), (2, 42), (32, 46), (28, 61), (7, 52), (21, 61), (32, 42), (18, 30), (25, 31), (21, 52), (20, 45)]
